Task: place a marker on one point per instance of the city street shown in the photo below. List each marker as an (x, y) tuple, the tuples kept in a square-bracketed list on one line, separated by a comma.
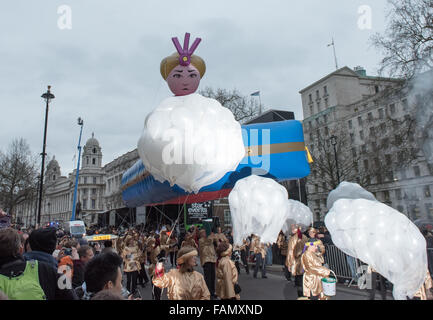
[(275, 287)]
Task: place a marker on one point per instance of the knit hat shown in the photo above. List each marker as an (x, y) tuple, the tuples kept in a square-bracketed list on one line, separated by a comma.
[(44, 240)]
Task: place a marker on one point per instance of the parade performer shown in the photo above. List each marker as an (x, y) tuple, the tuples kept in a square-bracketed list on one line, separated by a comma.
[(312, 263), (426, 290), (174, 248), (131, 263), (153, 255), (260, 255), (244, 249), (189, 241), (182, 283), (207, 260), (294, 253), (227, 274)]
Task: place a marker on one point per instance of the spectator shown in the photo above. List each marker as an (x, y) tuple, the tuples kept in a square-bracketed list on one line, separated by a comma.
[(108, 247), (42, 243), (103, 272), (85, 254), (37, 279), (107, 295)]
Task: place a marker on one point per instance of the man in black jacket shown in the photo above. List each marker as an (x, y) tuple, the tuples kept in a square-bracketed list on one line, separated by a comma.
[(12, 264)]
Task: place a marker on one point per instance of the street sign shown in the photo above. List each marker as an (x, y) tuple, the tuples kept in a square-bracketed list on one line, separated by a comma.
[(196, 212)]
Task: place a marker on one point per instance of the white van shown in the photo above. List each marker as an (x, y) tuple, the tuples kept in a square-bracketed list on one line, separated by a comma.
[(76, 228)]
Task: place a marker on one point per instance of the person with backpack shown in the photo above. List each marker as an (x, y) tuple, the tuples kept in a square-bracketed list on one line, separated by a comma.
[(42, 244), (28, 280)]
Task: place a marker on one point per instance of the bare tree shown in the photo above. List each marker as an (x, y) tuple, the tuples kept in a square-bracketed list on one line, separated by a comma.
[(408, 41), (18, 175), (243, 108)]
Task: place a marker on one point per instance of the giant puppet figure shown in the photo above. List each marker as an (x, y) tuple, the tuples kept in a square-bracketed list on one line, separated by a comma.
[(274, 150)]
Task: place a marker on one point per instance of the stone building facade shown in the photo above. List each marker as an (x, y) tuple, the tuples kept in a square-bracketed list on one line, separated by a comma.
[(359, 107)]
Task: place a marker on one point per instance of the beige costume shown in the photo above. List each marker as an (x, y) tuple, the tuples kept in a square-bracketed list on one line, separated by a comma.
[(294, 253), (226, 276), (206, 250), (314, 271)]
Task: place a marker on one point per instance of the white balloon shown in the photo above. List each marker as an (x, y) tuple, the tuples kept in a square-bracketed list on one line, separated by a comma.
[(348, 190), (383, 238), (191, 141), (258, 206)]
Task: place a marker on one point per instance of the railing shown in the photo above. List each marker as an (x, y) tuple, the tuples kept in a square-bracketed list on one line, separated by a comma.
[(337, 262)]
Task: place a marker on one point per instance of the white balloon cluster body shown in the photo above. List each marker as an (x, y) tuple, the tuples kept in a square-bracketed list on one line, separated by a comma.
[(299, 214), (383, 238), (258, 206), (348, 190), (191, 141)]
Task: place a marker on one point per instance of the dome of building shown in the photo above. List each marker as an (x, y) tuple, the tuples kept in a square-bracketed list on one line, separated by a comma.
[(92, 141)]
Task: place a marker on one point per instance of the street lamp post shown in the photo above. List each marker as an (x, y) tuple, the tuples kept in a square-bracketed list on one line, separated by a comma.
[(47, 96), (80, 123), (334, 143)]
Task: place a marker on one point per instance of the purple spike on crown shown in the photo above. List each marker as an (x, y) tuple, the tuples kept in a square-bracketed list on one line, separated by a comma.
[(185, 53)]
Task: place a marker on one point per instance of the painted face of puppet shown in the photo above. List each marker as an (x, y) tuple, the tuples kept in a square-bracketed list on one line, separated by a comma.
[(183, 80)]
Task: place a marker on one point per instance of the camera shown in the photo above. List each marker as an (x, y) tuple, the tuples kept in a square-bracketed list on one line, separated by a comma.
[(67, 251)]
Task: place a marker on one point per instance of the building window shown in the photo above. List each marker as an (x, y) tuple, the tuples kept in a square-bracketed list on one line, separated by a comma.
[(84, 204), (325, 118), (429, 209), (94, 191), (417, 171), (427, 193), (390, 175), (392, 108), (361, 135), (227, 218), (85, 180), (317, 95), (376, 89), (350, 124), (94, 180), (311, 110), (405, 105), (310, 98), (93, 204), (318, 106), (326, 102), (352, 137), (87, 160), (94, 150), (93, 161), (325, 90), (381, 114), (370, 116), (326, 131), (360, 121), (363, 148), (372, 131), (400, 209), (310, 126), (366, 164), (398, 194), (386, 195), (403, 174), (316, 188)]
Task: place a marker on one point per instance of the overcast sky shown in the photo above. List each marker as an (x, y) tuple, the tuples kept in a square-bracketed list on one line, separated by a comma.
[(106, 68)]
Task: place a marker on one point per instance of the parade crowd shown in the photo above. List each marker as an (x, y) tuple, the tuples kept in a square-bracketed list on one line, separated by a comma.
[(47, 264)]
